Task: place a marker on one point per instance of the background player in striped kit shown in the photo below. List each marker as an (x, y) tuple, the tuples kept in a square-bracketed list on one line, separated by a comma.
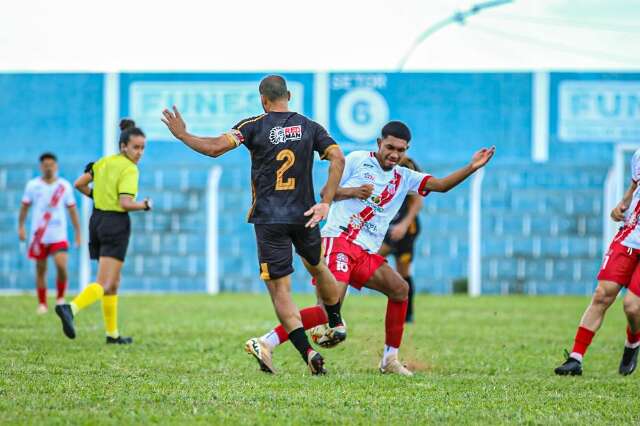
[(619, 269), (49, 194)]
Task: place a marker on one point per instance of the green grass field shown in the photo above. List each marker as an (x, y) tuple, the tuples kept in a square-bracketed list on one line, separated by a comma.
[(486, 360)]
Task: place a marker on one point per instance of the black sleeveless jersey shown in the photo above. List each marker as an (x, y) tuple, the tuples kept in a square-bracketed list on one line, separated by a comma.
[(282, 146)]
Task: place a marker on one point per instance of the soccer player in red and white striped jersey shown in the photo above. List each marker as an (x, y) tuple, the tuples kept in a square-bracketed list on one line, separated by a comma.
[(620, 268), (49, 195), (372, 190)]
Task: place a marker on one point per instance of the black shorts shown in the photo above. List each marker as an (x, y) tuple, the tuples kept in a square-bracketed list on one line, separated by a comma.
[(403, 249), (274, 248), (109, 234)]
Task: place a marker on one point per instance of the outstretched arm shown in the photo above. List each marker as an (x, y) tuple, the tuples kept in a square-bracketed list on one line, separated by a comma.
[(479, 159), (211, 146), (617, 214)]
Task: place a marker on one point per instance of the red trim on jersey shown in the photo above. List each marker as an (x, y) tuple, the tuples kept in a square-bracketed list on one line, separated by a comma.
[(626, 230), (36, 248), (421, 189), (368, 213)]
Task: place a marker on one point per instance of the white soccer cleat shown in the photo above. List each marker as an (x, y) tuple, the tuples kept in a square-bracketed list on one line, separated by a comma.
[(60, 301), (42, 309), (393, 366), (261, 352)]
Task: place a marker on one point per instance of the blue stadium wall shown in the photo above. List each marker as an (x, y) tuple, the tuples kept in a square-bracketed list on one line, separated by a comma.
[(541, 222)]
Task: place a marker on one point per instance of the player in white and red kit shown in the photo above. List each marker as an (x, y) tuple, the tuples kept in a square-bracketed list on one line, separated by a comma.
[(372, 190), (49, 196), (620, 268)]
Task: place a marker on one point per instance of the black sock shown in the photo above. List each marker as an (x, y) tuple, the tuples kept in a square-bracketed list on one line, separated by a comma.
[(299, 339), (410, 306), (333, 313)]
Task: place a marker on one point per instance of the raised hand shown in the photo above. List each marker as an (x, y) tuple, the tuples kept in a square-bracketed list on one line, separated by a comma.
[(482, 157), (174, 122)]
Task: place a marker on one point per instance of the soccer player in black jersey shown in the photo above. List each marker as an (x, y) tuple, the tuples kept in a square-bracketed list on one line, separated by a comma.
[(402, 234), (284, 211)]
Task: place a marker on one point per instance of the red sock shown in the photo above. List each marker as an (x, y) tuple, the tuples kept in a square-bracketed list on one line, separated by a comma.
[(394, 322), (61, 286), (42, 295), (311, 317), (632, 337), (582, 340)]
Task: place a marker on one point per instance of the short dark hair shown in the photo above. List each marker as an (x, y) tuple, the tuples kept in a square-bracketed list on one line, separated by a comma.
[(274, 87), (128, 129), (48, 156), (396, 129)]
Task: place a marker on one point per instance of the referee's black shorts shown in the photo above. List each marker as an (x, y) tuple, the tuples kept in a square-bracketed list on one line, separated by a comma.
[(109, 234), (274, 247)]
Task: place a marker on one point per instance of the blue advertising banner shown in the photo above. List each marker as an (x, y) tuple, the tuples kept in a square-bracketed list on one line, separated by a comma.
[(450, 114)]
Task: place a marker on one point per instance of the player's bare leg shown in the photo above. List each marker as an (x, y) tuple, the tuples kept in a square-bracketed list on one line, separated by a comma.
[(629, 360), (603, 297), (60, 259), (289, 316), (41, 286), (328, 291), (390, 283)]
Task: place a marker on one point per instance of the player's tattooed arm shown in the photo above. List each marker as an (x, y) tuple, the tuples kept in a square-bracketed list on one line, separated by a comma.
[(320, 211), (211, 146), (336, 158), (479, 160), (617, 214)]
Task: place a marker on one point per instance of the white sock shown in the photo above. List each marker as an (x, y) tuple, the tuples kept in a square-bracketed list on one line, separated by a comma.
[(388, 351), (631, 345), (271, 339), (576, 356)]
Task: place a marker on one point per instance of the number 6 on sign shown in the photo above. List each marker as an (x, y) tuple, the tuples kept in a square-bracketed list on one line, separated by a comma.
[(289, 158)]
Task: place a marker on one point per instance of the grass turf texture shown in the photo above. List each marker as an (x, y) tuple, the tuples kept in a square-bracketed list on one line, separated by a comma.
[(486, 360)]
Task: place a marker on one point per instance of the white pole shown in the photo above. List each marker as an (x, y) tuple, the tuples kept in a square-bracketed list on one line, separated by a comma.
[(111, 100), (540, 127), (475, 235), (213, 285), (84, 275)]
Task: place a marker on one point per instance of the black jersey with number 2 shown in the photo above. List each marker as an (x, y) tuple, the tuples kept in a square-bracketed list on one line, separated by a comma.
[(282, 146)]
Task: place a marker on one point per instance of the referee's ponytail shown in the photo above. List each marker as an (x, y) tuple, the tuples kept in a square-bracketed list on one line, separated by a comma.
[(128, 128)]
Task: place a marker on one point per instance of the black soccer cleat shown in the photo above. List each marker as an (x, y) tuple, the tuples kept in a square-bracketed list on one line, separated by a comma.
[(571, 367), (316, 363), (629, 361), (119, 340), (66, 316)]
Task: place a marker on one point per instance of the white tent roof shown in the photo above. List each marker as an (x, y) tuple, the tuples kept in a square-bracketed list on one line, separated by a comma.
[(243, 35)]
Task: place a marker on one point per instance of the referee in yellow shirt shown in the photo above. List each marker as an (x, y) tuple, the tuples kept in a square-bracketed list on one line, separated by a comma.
[(115, 186)]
